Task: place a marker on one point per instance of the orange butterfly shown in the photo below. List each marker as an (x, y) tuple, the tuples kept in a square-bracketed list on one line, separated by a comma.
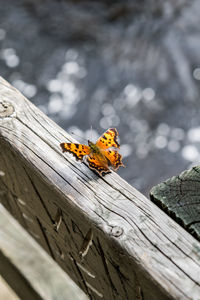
[(100, 156)]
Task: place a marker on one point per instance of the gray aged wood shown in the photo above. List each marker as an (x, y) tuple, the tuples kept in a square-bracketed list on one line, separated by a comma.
[(28, 268), (179, 196), (137, 251)]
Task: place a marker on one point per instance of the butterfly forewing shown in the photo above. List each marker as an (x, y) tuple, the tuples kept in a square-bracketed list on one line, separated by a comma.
[(78, 150), (108, 139)]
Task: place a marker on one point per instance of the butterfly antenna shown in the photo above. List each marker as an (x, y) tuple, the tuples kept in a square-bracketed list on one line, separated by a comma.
[(73, 133), (91, 132)]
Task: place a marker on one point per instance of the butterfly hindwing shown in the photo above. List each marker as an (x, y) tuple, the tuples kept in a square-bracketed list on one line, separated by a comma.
[(108, 139), (78, 150), (114, 158), (99, 163)]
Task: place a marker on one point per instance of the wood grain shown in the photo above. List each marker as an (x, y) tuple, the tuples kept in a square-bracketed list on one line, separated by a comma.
[(137, 251), (179, 196), (27, 267)]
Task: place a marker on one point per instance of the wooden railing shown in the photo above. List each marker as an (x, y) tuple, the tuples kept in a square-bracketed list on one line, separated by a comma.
[(112, 241)]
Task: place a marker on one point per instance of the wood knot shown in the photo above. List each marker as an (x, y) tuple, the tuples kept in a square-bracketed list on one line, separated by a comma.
[(117, 231), (6, 109)]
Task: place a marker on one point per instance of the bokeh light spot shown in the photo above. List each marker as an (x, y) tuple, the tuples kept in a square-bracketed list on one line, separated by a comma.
[(190, 153)]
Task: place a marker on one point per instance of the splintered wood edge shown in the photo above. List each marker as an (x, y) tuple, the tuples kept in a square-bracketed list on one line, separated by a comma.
[(143, 233), (43, 279)]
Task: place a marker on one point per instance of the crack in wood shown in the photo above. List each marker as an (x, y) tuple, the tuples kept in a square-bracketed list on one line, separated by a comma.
[(8, 173), (70, 235), (45, 238), (87, 243), (49, 144), (192, 223), (58, 219), (185, 204), (179, 199), (60, 252), (44, 127), (139, 293), (40, 198), (153, 244), (81, 276), (196, 169), (45, 162), (21, 202), (85, 270), (167, 237), (121, 276), (27, 218), (196, 282), (180, 186), (9, 194), (94, 290), (35, 235), (103, 258)]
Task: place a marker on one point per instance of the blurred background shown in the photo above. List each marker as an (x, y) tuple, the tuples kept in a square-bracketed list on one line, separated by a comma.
[(133, 65)]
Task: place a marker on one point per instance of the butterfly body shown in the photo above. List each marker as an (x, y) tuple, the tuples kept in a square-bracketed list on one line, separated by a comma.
[(100, 155), (94, 148)]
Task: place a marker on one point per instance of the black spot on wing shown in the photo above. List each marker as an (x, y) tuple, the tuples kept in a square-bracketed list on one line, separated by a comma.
[(62, 145), (118, 162), (114, 130)]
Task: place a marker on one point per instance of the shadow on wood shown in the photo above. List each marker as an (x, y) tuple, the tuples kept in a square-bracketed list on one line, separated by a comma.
[(28, 268)]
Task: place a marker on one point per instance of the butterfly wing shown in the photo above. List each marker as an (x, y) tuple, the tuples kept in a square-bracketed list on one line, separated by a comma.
[(103, 156), (108, 139), (99, 163), (78, 150), (114, 158)]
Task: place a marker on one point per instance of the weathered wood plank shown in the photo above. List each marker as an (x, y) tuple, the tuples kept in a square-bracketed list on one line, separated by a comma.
[(138, 252), (6, 292), (179, 196), (27, 267)]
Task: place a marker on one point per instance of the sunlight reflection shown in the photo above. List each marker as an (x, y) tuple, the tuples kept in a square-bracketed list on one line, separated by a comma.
[(55, 104), (194, 134), (132, 95), (71, 54), (148, 94), (64, 89), (126, 150), (142, 150), (196, 73), (160, 142), (190, 153), (10, 57), (163, 129), (29, 90), (54, 85), (107, 109), (173, 146), (177, 133)]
